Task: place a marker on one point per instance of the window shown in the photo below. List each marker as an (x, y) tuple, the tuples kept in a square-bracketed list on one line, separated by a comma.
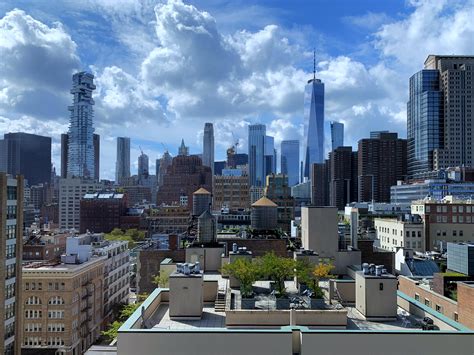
[(55, 300), (455, 209), (439, 308), (456, 316), (33, 300), (56, 314), (455, 219), (427, 302), (10, 310), (417, 297)]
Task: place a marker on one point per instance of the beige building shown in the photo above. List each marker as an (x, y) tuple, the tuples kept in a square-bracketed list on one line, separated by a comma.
[(71, 190), (449, 220), (62, 306), (11, 232), (168, 219), (231, 192), (319, 230), (396, 233)]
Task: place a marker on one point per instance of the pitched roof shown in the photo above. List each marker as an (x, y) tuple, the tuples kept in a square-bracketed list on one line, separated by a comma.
[(201, 191), (264, 202)]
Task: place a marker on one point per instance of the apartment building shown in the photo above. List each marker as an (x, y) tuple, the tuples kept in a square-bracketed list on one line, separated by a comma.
[(231, 192), (403, 232)]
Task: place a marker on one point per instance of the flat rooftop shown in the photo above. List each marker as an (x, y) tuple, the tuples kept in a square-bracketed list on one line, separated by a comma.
[(210, 319)]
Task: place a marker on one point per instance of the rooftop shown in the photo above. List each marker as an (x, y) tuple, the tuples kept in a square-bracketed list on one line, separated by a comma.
[(201, 191), (264, 202)]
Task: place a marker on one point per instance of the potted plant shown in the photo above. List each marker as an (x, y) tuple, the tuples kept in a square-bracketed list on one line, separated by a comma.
[(278, 270), (246, 272)]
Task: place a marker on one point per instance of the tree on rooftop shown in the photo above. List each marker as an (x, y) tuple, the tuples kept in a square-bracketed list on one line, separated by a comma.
[(245, 271), (277, 269)]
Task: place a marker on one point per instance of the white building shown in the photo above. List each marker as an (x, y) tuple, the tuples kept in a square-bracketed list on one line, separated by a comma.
[(71, 191), (400, 233)]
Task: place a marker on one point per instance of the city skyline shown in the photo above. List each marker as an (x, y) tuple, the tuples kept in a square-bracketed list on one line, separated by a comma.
[(359, 56)]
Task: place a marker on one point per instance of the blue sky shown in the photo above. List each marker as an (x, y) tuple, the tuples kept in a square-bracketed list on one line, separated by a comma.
[(163, 68)]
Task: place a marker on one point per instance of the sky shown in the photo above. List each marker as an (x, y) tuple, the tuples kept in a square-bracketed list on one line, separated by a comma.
[(164, 68)]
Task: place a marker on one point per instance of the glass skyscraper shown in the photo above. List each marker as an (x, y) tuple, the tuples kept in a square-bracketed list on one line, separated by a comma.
[(81, 162), (270, 156), (313, 124), (122, 167), (257, 135), (424, 120), (337, 135), (290, 158)]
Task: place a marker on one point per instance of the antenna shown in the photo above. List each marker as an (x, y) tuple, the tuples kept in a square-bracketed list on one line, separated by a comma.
[(314, 64), (141, 150)]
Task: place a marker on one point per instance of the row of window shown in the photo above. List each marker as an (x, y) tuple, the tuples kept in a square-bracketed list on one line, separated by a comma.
[(36, 313), (438, 307)]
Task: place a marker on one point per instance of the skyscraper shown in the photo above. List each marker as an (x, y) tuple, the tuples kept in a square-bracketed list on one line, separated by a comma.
[(337, 135), (382, 161), (313, 140), (270, 156), (342, 177), (28, 155), (81, 161), (439, 115), (165, 162), (96, 140), (257, 154), (64, 153), (208, 146), (122, 165), (143, 167), (290, 157), (183, 149), (11, 236)]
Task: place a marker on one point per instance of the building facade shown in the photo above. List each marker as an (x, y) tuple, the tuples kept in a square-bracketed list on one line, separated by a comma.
[(208, 146), (381, 161), (320, 184), (122, 165), (28, 155), (270, 155), (400, 233), (71, 190), (102, 212), (81, 157), (278, 190), (257, 135), (143, 166), (313, 139), (231, 192), (290, 160), (11, 239), (337, 134), (342, 177)]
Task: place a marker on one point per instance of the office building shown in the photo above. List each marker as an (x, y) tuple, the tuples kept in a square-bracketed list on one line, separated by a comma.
[(96, 140), (290, 158), (278, 191), (71, 191), (81, 143), (435, 188), (231, 191), (337, 134), (313, 139), (235, 159), (342, 177), (165, 162), (28, 155), (208, 146), (270, 156), (382, 161), (185, 175), (461, 258), (320, 184), (11, 237), (143, 166), (64, 153), (257, 134), (137, 194), (438, 114), (101, 212), (183, 149), (168, 219), (122, 165)]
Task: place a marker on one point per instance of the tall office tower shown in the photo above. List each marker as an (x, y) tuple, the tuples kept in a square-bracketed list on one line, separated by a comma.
[(270, 156), (28, 155), (337, 135), (342, 177), (96, 140), (290, 157), (439, 115), (81, 161), (382, 161), (11, 234), (320, 175), (183, 149), (143, 167), (122, 164), (257, 134), (313, 140), (157, 168), (208, 146), (165, 162), (64, 152)]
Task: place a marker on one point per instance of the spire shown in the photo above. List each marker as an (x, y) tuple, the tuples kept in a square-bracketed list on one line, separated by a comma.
[(314, 64)]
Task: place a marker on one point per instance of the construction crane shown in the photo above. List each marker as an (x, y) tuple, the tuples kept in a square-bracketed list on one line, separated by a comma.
[(164, 146), (236, 142)]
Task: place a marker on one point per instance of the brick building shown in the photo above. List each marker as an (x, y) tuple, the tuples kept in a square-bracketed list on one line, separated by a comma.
[(101, 212), (231, 192)]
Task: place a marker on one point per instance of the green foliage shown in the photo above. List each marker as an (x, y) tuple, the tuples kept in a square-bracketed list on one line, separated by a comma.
[(245, 271), (125, 312), (132, 236), (277, 269), (162, 279)]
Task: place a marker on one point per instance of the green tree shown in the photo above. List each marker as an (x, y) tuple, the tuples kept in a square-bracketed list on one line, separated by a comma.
[(162, 279), (278, 269), (245, 271)]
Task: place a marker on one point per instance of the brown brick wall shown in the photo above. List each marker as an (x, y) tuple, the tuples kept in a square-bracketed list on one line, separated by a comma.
[(466, 304)]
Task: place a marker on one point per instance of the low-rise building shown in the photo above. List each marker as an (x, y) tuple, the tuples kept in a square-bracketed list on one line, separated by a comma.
[(231, 191), (168, 219), (101, 212), (402, 232)]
